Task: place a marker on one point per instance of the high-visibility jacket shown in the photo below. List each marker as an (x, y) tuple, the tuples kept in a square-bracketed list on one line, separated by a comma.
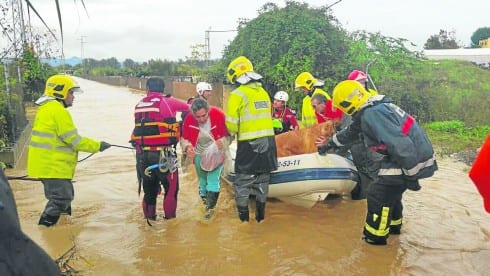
[(308, 116), (248, 112), (55, 143)]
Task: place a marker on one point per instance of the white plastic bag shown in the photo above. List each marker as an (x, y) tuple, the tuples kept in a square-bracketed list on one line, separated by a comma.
[(212, 157)]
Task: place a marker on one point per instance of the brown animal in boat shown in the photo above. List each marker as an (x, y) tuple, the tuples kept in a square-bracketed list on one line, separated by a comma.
[(302, 141)]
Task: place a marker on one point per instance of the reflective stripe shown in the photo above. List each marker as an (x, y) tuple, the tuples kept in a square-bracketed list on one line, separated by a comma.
[(395, 222), (40, 145), (42, 134), (413, 171), (65, 149), (68, 134), (147, 109), (391, 171), (232, 120), (420, 166), (51, 147), (255, 134), (383, 228), (76, 141), (336, 141), (255, 117)]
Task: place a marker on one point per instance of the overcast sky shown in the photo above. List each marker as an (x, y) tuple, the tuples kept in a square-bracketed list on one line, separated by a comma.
[(163, 29)]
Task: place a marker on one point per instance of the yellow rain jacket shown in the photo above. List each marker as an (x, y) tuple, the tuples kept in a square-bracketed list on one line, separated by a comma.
[(55, 142), (248, 112)]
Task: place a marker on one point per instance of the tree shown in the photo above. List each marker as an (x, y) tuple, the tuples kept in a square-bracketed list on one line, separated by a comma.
[(479, 34), (443, 40), (281, 43)]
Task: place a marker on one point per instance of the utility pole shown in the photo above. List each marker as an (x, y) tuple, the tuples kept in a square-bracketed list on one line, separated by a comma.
[(82, 51), (207, 42)]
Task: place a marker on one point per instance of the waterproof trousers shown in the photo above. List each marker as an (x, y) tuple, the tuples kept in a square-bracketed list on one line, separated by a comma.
[(60, 194), (385, 210), (152, 185), (244, 184)]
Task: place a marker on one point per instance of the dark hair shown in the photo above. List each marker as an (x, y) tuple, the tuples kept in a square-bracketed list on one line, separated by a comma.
[(155, 84), (199, 104), (319, 97)]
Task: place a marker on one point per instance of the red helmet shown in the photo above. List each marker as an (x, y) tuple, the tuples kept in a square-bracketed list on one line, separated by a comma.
[(357, 75)]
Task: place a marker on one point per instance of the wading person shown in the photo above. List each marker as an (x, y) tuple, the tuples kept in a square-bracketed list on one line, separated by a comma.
[(205, 136), (310, 86), (357, 149), (248, 117), (155, 136), (54, 147), (283, 117), (399, 154)]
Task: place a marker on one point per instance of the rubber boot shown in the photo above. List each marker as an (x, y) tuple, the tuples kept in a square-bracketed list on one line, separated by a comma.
[(243, 213), (212, 199), (48, 220), (149, 211), (67, 211), (204, 200), (395, 229), (259, 211)]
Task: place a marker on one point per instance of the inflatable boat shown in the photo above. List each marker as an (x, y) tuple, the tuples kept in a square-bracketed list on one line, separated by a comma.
[(306, 179)]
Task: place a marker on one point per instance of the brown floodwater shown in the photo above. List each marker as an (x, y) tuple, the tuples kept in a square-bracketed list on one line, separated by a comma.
[(445, 232)]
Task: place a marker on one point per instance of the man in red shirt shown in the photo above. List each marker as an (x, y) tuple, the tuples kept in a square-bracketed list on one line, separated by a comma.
[(324, 110)]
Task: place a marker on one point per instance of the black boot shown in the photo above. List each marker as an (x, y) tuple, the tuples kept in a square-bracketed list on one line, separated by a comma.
[(211, 201), (395, 229), (48, 220), (243, 213), (259, 211), (204, 200)]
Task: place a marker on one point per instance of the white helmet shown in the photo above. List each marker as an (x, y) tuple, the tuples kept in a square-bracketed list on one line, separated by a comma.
[(281, 96), (203, 86)]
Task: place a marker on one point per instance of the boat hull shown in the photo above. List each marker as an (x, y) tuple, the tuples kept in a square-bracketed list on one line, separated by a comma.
[(308, 178)]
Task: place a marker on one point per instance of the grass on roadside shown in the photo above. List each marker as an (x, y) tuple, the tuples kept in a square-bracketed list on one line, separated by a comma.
[(452, 136)]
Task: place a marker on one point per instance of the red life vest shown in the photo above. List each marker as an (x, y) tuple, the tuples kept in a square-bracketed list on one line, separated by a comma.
[(151, 129)]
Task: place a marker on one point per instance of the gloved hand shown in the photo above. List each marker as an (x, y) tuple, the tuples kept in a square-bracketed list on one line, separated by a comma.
[(104, 146), (322, 149)]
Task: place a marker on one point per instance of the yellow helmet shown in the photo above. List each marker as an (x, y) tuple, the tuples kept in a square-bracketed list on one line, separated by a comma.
[(349, 96), (238, 67), (58, 86), (305, 80)]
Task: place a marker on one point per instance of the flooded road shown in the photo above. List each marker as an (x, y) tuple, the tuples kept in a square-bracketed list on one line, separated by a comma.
[(446, 230)]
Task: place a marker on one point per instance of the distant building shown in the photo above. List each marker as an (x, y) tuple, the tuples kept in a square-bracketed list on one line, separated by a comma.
[(484, 43), (480, 56)]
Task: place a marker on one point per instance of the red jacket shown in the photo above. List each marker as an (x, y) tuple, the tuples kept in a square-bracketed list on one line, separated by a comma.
[(218, 128), (329, 113), (288, 118)]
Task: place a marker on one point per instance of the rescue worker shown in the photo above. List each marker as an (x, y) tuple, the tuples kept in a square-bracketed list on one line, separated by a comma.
[(362, 78), (310, 86), (248, 117), (284, 119), (54, 147), (19, 255), (155, 136), (203, 90), (357, 149), (399, 154), (205, 127)]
